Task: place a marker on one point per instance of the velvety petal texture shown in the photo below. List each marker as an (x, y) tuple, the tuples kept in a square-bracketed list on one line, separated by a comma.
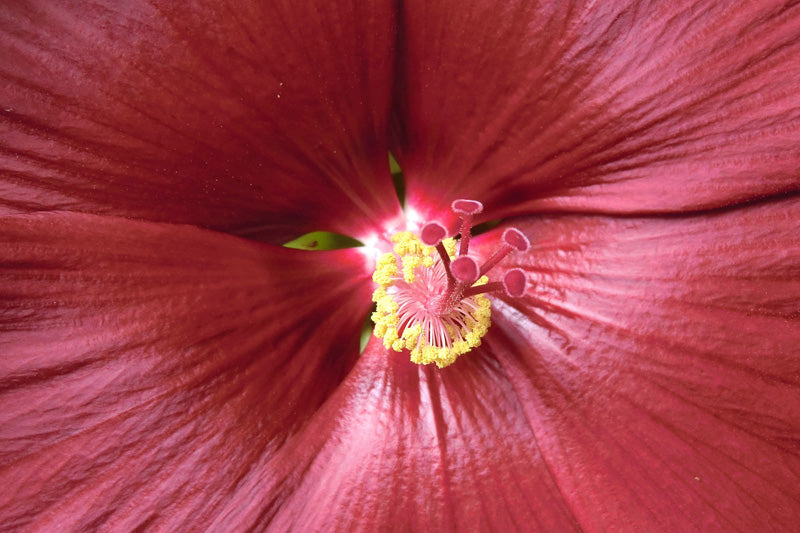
[(160, 372), (402, 447), (147, 370), (265, 119), (647, 381), (615, 106), (659, 361)]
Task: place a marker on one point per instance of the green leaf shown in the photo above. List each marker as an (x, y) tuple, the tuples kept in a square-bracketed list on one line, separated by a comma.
[(323, 240)]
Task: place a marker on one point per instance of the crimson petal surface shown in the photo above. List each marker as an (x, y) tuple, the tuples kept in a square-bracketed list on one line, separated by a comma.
[(621, 106), (658, 362), (401, 447), (647, 381), (262, 119), (149, 369)]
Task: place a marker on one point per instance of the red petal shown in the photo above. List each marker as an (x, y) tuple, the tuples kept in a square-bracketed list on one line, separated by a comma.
[(401, 447), (647, 382), (148, 369), (659, 365), (611, 106), (262, 119)]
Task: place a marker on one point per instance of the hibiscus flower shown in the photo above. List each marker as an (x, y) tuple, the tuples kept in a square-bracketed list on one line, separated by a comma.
[(166, 364)]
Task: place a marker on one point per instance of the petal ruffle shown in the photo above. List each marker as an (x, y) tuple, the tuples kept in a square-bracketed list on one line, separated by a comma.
[(148, 369), (262, 119), (622, 107), (647, 382), (400, 447), (659, 364)]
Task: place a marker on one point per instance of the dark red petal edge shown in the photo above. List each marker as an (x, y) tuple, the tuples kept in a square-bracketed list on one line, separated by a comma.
[(658, 362), (408, 448), (615, 106), (148, 370), (263, 119)]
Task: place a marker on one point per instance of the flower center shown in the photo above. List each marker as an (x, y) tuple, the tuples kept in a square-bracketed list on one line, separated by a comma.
[(431, 297)]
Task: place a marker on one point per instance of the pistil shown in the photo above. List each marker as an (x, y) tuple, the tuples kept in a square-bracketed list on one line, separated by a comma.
[(431, 300), (466, 209)]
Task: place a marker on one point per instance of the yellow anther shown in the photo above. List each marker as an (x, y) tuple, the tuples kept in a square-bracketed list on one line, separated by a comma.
[(389, 337), (379, 294), (403, 267), (450, 246), (412, 336), (473, 339), (428, 354), (385, 269), (410, 262), (387, 305)]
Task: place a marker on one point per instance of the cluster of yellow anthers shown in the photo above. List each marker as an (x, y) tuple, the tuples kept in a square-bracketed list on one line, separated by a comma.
[(410, 312)]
